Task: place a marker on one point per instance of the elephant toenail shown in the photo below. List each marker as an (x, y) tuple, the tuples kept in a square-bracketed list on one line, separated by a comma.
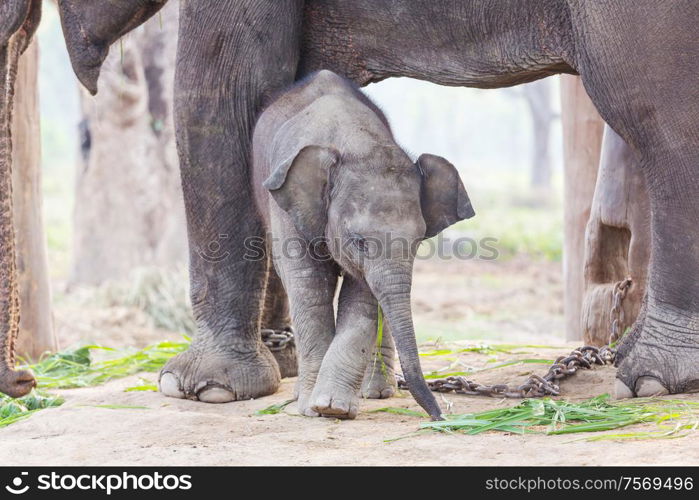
[(215, 395), (650, 386), (621, 390), (170, 386), (387, 393)]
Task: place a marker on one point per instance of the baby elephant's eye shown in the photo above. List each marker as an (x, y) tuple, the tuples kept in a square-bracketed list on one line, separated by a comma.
[(359, 242)]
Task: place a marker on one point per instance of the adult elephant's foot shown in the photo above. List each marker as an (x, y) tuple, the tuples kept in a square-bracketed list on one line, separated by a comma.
[(379, 379), (662, 357), (216, 375), (628, 341), (334, 401)]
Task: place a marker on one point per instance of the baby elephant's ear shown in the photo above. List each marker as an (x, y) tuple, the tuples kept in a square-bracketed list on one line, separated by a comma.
[(300, 186), (443, 198)]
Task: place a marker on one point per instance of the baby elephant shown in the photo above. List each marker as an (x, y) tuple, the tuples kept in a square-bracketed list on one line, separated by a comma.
[(340, 197)]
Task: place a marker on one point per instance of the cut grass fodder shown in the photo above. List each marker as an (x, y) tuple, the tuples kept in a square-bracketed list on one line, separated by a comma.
[(14, 410), (488, 349), (144, 385), (75, 367), (674, 418), (274, 409), (400, 411), (436, 374)]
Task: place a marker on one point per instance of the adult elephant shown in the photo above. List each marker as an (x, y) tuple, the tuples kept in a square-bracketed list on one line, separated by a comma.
[(234, 53)]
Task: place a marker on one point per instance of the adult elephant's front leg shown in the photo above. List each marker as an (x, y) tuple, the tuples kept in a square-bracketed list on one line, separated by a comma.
[(663, 354), (660, 123), (230, 55)]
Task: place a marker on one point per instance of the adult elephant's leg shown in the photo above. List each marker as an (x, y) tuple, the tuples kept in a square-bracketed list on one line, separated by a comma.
[(622, 73), (230, 55), (665, 353)]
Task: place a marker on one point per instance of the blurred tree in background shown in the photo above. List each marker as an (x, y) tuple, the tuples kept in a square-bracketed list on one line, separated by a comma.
[(538, 97), (128, 203)]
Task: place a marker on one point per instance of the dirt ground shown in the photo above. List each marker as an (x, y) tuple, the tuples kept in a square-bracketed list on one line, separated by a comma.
[(467, 298)]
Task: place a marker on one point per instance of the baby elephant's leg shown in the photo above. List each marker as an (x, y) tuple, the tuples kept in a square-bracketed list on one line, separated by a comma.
[(310, 286), (379, 378), (340, 378)]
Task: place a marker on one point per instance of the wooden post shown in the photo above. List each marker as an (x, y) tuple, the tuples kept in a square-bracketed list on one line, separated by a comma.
[(617, 242), (582, 142), (36, 322)]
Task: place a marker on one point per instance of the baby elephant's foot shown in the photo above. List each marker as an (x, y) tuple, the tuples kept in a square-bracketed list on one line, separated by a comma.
[(305, 384), (335, 402), (303, 402), (379, 381)]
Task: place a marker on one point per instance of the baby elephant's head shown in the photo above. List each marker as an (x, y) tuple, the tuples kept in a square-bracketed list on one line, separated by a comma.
[(372, 212)]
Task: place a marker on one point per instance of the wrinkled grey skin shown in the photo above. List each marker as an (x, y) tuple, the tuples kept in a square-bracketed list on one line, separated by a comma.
[(337, 193), (18, 22), (638, 60)]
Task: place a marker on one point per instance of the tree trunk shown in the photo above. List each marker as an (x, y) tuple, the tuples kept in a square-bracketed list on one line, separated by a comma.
[(36, 322), (128, 208), (538, 97), (582, 142), (617, 242)]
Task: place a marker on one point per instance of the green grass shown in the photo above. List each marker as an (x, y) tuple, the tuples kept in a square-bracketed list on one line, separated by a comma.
[(674, 418), (400, 411), (75, 367), (441, 374), (274, 409), (14, 410), (489, 349), (143, 385)]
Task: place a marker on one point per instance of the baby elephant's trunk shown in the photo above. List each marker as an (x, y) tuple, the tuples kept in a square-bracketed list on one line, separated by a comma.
[(393, 293)]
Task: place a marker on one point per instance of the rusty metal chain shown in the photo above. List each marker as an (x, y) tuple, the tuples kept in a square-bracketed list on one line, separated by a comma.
[(278, 340), (535, 386), (616, 316)]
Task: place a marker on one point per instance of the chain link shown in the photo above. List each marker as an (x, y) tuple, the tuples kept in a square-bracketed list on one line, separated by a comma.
[(535, 386), (278, 340), (616, 317)]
